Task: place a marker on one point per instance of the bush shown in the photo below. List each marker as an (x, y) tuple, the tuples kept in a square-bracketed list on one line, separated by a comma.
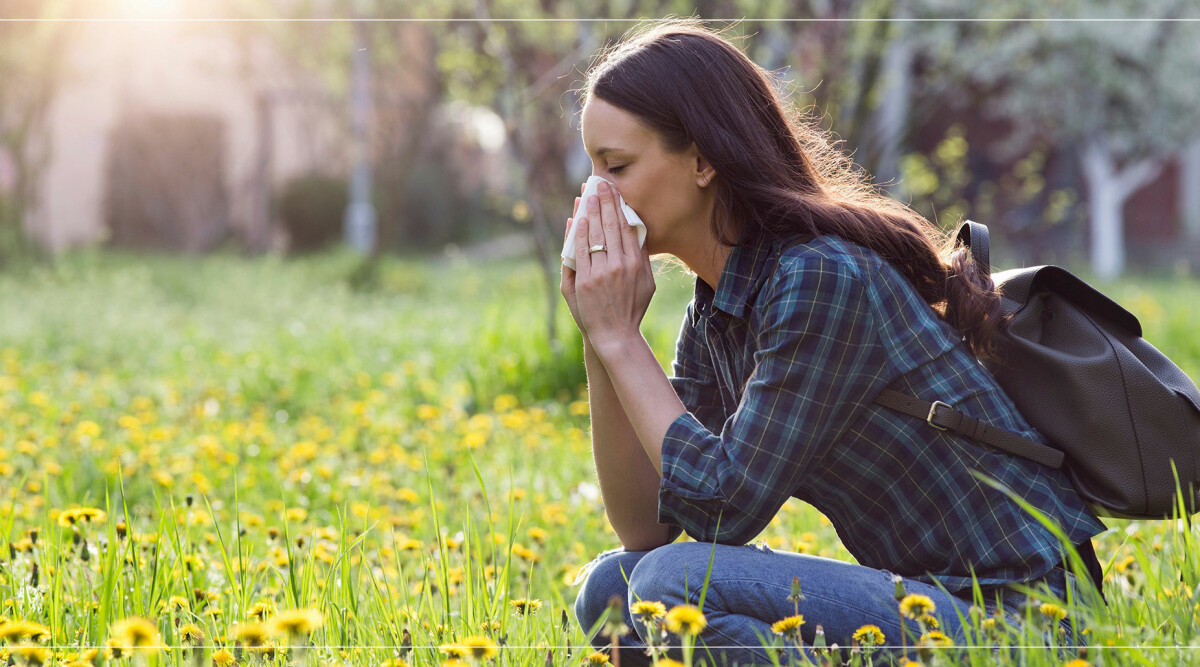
[(312, 207)]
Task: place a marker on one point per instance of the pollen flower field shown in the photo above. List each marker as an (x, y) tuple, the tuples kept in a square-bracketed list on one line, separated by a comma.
[(228, 461)]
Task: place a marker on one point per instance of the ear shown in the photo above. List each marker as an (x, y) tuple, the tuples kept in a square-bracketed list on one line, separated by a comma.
[(705, 173)]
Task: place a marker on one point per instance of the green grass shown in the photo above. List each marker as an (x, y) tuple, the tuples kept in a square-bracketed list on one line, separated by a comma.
[(394, 445)]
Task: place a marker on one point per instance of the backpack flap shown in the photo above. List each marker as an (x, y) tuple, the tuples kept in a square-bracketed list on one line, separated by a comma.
[(1076, 366)]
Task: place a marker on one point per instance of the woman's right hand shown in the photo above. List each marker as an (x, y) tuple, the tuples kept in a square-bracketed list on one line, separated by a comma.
[(567, 284)]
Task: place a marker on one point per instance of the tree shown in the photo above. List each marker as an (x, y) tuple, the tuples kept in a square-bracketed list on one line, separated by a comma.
[(32, 66), (1122, 95)]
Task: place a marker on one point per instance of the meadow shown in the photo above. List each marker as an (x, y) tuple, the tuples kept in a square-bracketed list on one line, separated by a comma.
[(318, 461)]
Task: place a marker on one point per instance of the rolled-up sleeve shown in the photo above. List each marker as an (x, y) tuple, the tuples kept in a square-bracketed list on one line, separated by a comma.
[(818, 362)]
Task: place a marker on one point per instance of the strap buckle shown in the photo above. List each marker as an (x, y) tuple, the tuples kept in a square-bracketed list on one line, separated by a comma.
[(932, 413)]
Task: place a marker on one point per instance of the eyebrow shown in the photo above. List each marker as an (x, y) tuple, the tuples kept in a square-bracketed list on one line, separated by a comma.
[(606, 149)]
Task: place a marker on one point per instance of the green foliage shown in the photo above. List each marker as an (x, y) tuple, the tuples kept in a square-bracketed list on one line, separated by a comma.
[(312, 207), (390, 444)]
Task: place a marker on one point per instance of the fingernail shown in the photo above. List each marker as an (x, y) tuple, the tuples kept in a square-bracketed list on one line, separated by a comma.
[(603, 187)]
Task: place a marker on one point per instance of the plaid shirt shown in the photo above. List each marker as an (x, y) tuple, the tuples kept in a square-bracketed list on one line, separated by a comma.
[(778, 368)]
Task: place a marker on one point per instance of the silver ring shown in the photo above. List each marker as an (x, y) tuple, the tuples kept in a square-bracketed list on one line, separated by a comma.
[(599, 247)]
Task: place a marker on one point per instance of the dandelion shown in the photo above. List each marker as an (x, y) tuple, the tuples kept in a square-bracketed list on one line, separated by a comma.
[(31, 655), (76, 516), (480, 648), (649, 610), (251, 634), (453, 651), (915, 606), (868, 635), (1077, 662), (525, 606), (191, 633), (223, 658), (262, 610), (687, 620), (614, 619), (599, 658), (298, 621), (789, 627), (1053, 611), (136, 633), (667, 662), (935, 638), (14, 631)]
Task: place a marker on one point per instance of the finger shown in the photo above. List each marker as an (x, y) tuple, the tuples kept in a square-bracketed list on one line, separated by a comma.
[(595, 235), (575, 209), (567, 229), (583, 260), (611, 217)]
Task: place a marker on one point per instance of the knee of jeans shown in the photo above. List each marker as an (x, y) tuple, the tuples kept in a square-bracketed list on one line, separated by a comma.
[(603, 581), (660, 574)]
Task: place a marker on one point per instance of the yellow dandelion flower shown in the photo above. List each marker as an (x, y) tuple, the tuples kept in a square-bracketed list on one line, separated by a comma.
[(598, 658), (667, 662), (136, 633), (191, 633), (251, 634), (1077, 662), (525, 606), (1053, 611), (15, 631), (915, 606), (929, 621), (649, 609), (262, 610), (455, 662), (223, 658), (788, 627), (178, 603), (72, 518), (685, 619), (868, 635), (935, 638), (988, 624), (480, 648), (453, 651), (394, 662), (298, 621), (31, 654)]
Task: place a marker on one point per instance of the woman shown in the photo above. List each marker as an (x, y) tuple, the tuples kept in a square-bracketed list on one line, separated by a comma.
[(788, 339)]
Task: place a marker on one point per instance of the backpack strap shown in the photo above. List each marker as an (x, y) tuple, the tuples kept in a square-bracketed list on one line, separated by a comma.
[(945, 418), (975, 237)]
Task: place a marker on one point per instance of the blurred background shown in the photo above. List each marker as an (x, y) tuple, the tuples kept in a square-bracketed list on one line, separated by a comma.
[(1077, 141), (283, 128)]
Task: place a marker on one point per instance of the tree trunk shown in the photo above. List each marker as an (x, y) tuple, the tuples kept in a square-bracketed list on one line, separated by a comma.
[(1108, 189), (1190, 191)]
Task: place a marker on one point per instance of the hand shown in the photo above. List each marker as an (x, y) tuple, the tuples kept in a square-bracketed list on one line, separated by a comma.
[(612, 287), (567, 284)]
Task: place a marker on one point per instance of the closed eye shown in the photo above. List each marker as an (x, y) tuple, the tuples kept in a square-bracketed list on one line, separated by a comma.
[(613, 170)]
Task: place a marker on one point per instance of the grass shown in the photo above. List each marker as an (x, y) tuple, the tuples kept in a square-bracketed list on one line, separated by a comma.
[(394, 447)]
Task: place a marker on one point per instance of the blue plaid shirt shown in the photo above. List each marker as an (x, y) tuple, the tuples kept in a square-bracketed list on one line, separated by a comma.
[(778, 368)]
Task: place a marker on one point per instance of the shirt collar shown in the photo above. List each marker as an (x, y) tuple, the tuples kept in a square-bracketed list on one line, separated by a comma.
[(742, 276)]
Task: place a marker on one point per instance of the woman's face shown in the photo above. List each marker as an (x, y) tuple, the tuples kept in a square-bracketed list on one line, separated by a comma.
[(669, 191)]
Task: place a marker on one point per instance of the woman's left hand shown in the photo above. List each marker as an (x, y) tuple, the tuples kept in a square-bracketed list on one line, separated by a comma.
[(613, 287)]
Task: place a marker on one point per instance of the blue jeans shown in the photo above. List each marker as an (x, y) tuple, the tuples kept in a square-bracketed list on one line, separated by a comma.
[(748, 591)]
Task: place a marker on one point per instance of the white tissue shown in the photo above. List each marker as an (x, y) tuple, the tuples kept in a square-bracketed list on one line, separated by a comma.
[(589, 189)]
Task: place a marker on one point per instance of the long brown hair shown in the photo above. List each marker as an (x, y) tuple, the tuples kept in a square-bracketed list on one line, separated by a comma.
[(778, 173)]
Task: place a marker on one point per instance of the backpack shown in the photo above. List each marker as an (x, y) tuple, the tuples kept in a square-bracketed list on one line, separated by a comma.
[(1121, 418)]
